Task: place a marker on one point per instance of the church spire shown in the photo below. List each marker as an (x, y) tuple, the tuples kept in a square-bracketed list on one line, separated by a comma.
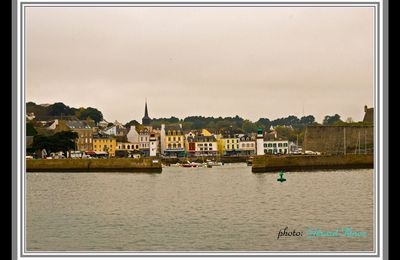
[(146, 113), (146, 119)]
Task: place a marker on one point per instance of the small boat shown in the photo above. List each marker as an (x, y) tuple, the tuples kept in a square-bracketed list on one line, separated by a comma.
[(191, 164), (214, 163)]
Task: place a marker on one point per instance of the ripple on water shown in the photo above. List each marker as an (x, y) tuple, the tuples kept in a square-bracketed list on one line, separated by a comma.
[(223, 208)]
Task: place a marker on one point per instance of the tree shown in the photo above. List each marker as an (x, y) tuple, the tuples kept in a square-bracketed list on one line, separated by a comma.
[(92, 113), (58, 109), (63, 141), (30, 130), (331, 120), (307, 120), (249, 127), (132, 123)]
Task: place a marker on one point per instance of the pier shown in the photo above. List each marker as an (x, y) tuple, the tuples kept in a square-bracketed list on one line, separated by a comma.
[(94, 165), (267, 163)]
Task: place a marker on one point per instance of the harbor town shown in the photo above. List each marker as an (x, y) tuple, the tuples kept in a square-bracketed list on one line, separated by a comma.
[(204, 147)]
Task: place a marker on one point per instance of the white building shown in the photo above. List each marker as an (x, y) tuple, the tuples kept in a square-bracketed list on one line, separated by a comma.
[(260, 142), (133, 135), (205, 145), (276, 147), (153, 146), (247, 145)]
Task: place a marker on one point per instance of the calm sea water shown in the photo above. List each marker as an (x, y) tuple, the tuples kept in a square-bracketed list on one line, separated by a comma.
[(225, 208)]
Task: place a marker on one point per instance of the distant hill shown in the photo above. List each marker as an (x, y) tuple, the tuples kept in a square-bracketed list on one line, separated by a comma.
[(59, 110)]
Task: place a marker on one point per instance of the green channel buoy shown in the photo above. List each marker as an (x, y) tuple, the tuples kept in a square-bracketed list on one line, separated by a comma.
[(281, 179)]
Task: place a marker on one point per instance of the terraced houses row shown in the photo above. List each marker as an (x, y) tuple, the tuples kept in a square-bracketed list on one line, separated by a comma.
[(169, 140)]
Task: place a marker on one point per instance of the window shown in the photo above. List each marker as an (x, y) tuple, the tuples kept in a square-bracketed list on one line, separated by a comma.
[(174, 138), (110, 145), (169, 146), (227, 141), (174, 145), (280, 145), (285, 144), (265, 145), (94, 146), (179, 145), (129, 147), (209, 149), (274, 145), (169, 139), (210, 144)]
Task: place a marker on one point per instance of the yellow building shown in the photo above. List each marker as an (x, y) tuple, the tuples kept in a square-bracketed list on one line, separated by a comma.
[(230, 143), (220, 144), (173, 140), (103, 143)]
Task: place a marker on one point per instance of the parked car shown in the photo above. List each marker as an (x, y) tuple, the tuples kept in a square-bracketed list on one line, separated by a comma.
[(312, 153)]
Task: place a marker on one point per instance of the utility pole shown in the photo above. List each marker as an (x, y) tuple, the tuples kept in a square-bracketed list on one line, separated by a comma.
[(365, 141), (344, 141)]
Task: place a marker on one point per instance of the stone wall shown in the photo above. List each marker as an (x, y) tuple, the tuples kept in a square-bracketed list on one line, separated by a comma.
[(312, 162), (330, 139)]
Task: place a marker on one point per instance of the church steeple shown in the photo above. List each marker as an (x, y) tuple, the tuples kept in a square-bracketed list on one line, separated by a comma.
[(146, 119), (146, 113)]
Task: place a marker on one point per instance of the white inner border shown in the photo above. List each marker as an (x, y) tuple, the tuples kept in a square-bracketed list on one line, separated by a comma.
[(378, 142)]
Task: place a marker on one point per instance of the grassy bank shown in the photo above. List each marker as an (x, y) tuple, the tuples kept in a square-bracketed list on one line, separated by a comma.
[(94, 165), (305, 163)]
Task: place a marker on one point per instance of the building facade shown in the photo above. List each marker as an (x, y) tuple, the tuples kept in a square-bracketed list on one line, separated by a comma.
[(105, 143), (276, 147), (247, 145), (205, 145), (84, 142), (231, 144), (172, 140)]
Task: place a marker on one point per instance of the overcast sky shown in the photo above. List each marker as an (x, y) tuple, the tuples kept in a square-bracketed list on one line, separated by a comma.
[(252, 62)]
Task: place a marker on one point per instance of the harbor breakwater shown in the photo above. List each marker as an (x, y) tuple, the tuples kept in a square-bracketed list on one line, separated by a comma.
[(311, 162), (94, 165)]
